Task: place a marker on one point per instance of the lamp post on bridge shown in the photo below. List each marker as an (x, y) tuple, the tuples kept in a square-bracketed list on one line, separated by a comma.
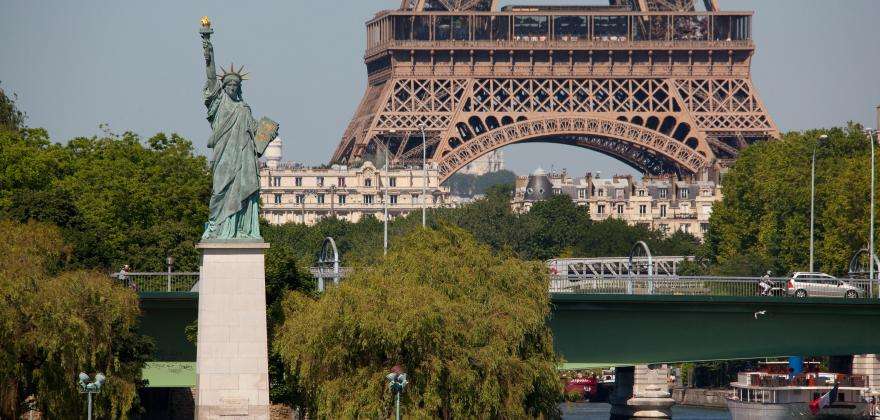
[(424, 174), (813, 198), (86, 386)]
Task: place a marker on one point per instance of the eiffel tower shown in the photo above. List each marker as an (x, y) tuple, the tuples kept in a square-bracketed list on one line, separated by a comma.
[(657, 84)]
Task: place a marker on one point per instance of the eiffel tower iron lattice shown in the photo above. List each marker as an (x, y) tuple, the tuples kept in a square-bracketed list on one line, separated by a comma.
[(654, 83)]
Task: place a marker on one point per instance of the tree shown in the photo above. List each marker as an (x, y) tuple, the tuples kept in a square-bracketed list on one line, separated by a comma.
[(764, 220), (54, 324), (115, 200), (11, 118), (468, 326)]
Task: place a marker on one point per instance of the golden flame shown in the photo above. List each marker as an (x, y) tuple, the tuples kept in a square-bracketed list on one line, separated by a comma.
[(206, 22)]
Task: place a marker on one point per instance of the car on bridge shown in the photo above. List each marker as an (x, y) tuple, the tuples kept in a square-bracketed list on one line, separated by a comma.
[(807, 284)]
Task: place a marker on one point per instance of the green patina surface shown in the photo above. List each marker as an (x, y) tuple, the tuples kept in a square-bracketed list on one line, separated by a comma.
[(606, 330)]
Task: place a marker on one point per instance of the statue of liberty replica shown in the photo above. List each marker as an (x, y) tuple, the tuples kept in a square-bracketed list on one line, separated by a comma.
[(237, 141)]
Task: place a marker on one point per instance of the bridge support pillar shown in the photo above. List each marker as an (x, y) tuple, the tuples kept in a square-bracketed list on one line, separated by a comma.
[(641, 392), (232, 363), (868, 364)]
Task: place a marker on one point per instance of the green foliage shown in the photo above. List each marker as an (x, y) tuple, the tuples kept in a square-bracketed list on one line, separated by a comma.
[(116, 200), (468, 326), (54, 325), (764, 220), (467, 185), (11, 118)]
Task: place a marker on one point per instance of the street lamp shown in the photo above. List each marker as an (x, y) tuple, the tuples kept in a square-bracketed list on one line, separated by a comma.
[(170, 262), (424, 173), (87, 386), (397, 381), (385, 196), (813, 199)]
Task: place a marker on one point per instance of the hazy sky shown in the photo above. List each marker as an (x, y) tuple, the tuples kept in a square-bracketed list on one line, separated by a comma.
[(138, 66)]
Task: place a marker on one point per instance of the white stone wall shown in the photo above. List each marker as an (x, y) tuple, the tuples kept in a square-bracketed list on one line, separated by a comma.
[(232, 365)]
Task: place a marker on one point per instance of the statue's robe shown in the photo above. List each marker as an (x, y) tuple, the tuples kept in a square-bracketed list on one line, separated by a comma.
[(234, 207)]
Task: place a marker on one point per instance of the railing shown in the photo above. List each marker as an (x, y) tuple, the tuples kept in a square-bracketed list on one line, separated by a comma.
[(691, 286), (158, 281), (807, 379)]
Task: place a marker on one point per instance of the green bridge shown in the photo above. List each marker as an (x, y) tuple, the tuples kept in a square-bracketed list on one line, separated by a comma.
[(614, 329), (626, 330)]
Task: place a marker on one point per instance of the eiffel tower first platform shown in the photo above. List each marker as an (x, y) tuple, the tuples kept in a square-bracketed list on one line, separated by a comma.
[(657, 84)]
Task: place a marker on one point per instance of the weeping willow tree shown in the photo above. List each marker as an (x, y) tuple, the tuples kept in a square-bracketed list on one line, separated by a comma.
[(468, 327), (55, 324)]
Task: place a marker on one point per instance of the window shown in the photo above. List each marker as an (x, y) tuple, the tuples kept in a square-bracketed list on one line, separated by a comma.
[(643, 209), (298, 181), (601, 192), (275, 182), (557, 191), (663, 192), (620, 209), (320, 181), (706, 193), (392, 182), (368, 199), (340, 199), (663, 210), (393, 199), (320, 198), (582, 193), (569, 28), (600, 209), (664, 228), (340, 181), (618, 193), (531, 28), (641, 193), (704, 227), (368, 182), (277, 198), (610, 28), (300, 199), (685, 228), (684, 193)]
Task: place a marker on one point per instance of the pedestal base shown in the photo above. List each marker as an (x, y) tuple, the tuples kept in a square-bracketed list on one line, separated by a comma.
[(232, 362), (641, 393)]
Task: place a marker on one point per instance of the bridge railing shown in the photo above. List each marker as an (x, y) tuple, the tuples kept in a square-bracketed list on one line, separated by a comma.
[(158, 281), (690, 286)]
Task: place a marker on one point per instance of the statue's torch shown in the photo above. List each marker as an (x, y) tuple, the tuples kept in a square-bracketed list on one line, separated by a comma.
[(206, 29)]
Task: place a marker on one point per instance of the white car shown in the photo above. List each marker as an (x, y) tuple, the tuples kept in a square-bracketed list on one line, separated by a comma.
[(804, 284)]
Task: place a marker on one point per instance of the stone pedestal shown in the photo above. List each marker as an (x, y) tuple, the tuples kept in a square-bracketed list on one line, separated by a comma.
[(232, 362), (641, 392)]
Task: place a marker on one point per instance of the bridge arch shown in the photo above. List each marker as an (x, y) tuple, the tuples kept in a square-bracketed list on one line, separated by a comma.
[(641, 147)]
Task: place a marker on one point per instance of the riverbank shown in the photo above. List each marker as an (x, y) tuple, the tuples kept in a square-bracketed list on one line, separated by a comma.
[(711, 398)]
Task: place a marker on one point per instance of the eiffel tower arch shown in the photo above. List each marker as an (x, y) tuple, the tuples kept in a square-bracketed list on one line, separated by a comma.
[(656, 84)]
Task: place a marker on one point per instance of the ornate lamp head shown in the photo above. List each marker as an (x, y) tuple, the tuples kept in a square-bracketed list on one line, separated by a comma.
[(233, 74)]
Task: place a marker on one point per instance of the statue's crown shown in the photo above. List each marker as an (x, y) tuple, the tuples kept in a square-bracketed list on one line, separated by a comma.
[(233, 73)]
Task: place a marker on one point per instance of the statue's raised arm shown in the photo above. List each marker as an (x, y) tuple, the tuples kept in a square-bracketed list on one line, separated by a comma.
[(210, 68)]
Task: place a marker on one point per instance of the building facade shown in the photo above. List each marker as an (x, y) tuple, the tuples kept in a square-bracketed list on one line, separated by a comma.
[(292, 193), (660, 202)]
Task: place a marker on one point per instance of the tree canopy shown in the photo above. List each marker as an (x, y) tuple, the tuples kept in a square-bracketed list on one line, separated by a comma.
[(116, 200), (55, 324), (468, 326), (764, 220)]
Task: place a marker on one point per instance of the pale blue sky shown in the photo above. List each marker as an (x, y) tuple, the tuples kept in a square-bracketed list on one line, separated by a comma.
[(138, 66)]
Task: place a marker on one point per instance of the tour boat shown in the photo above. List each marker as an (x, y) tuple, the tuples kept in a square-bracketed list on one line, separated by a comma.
[(763, 395)]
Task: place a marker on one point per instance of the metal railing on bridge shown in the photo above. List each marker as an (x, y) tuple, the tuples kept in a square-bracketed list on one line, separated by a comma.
[(147, 282), (694, 286), (616, 266)]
